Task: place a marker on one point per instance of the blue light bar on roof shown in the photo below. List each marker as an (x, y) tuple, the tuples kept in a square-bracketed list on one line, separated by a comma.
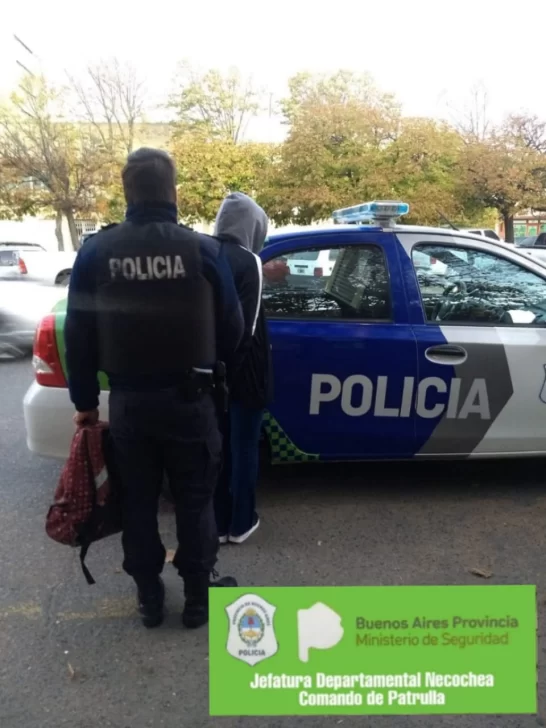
[(380, 211)]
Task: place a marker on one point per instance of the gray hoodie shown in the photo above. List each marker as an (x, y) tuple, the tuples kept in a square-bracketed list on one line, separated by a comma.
[(241, 225), (240, 219)]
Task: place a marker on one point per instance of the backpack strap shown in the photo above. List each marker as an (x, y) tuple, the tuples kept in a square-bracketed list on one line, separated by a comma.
[(83, 553), (85, 540)]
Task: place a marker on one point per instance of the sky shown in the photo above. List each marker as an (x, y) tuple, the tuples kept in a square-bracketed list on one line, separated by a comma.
[(430, 54)]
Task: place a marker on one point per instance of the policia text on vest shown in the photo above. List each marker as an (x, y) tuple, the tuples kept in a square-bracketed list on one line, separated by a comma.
[(147, 268)]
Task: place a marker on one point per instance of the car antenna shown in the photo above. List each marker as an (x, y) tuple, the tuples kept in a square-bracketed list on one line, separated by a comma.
[(444, 218)]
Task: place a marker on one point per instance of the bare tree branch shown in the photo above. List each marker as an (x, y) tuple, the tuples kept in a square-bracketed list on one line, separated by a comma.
[(111, 99)]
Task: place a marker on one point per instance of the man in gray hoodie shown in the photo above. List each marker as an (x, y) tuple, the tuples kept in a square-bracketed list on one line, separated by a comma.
[(241, 225)]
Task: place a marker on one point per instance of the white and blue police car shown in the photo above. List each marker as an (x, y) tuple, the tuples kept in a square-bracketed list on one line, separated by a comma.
[(389, 341)]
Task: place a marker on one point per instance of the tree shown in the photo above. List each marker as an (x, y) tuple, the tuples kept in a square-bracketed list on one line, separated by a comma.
[(527, 131), (220, 105), (502, 166), (16, 194), (340, 126), (473, 121), (64, 162), (504, 172), (111, 98), (423, 164), (342, 90), (209, 168)]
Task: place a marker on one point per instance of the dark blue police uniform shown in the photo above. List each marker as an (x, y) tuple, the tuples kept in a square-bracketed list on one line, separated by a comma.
[(153, 305)]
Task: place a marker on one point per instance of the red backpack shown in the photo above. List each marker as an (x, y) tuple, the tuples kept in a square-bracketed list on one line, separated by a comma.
[(87, 504)]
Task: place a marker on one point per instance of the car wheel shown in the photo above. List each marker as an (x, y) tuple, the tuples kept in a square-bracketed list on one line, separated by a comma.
[(63, 279)]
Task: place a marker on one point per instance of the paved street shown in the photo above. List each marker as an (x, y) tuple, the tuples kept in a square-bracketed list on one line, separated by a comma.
[(76, 655)]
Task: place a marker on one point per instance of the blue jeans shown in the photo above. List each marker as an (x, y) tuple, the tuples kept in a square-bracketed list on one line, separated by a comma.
[(235, 497)]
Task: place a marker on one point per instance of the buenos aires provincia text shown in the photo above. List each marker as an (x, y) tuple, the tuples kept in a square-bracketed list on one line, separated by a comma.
[(456, 622)]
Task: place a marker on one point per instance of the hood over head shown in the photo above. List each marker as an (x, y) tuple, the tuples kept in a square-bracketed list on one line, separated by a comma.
[(240, 219)]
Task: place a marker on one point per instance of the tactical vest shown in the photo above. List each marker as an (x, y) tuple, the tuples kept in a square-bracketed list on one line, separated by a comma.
[(155, 309)]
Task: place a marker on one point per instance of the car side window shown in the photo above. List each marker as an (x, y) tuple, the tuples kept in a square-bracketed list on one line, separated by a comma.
[(478, 287), (351, 284), (491, 234)]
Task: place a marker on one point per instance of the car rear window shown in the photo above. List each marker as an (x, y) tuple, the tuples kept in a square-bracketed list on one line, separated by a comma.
[(303, 255), (8, 257)]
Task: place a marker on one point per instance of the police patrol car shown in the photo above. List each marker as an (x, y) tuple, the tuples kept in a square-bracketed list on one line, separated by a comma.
[(415, 342)]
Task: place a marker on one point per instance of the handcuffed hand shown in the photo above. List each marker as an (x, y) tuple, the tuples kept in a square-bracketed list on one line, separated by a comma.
[(86, 419)]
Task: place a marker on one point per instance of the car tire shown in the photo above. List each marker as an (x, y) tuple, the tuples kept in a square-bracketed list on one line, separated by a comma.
[(63, 279)]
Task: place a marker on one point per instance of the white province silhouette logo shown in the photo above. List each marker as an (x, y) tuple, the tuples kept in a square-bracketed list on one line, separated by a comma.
[(251, 636), (319, 627)]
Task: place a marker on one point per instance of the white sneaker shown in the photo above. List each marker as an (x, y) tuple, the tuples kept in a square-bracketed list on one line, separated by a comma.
[(223, 539), (243, 537)]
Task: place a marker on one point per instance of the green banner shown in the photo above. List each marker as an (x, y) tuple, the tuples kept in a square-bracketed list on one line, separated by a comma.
[(373, 650)]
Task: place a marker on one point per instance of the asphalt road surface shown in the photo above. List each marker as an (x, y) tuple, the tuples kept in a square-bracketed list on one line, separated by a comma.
[(77, 655)]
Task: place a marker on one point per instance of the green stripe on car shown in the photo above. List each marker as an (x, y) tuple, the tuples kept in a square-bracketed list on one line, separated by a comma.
[(283, 450)]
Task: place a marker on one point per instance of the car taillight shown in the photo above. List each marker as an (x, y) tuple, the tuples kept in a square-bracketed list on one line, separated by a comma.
[(318, 272), (46, 361), (433, 261), (22, 267)]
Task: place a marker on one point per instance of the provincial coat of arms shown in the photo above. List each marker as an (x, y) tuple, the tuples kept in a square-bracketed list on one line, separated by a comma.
[(251, 636)]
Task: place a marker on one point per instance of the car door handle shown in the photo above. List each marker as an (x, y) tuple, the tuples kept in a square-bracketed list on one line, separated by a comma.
[(446, 354)]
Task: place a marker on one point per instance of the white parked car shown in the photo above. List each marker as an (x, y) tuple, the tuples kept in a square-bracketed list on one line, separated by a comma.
[(534, 247), (484, 233), (317, 263), (32, 262)]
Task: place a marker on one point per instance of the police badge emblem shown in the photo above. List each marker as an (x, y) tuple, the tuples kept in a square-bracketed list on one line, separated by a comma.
[(251, 636)]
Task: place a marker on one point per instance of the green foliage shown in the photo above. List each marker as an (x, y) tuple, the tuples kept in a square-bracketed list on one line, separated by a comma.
[(422, 163), (208, 169), (502, 173), (346, 142), (215, 104)]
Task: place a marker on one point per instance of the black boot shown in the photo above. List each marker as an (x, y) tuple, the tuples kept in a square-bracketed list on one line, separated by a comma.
[(151, 597), (196, 591)]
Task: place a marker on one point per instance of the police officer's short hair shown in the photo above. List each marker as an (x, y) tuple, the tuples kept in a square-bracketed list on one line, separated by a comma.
[(149, 175)]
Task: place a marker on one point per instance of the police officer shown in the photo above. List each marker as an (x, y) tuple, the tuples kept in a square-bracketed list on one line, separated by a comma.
[(153, 305)]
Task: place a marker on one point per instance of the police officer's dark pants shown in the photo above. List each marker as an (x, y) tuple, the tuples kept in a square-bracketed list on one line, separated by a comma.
[(156, 433)]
